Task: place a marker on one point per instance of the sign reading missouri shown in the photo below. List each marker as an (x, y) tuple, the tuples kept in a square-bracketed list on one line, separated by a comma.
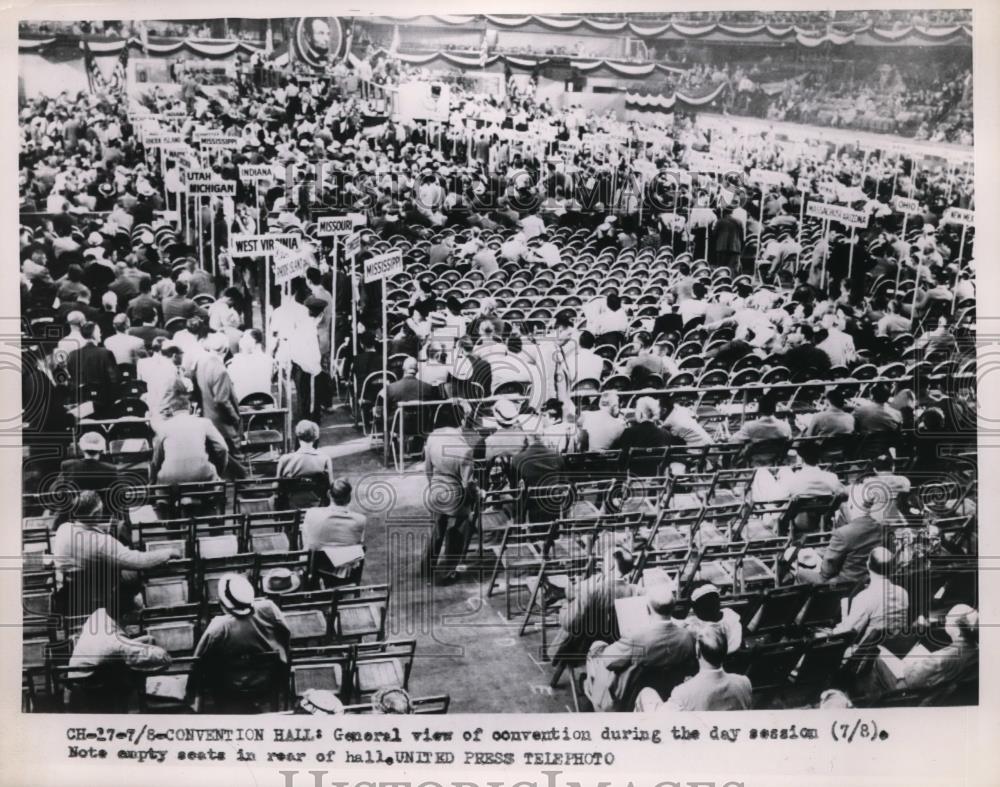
[(841, 213), (330, 226), (262, 245), (212, 188)]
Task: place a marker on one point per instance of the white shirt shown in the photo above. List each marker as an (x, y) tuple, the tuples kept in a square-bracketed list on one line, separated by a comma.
[(294, 338), (584, 365), (250, 373), (839, 346), (608, 321), (532, 226), (602, 428)]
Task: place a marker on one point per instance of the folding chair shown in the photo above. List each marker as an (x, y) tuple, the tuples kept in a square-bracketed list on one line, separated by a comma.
[(211, 570), (382, 665), (255, 494), (360, 612), (779, 609), (326, 668), (169, 585), (272, 531), (176, 629)]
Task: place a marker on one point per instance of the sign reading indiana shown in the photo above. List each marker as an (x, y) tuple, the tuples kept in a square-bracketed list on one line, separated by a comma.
[(318, 41)]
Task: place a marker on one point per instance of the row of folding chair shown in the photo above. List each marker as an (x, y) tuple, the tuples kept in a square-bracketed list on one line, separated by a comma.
[(354, 672), (222, 535)]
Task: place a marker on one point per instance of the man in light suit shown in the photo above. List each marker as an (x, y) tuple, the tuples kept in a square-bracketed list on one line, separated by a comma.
[(217, 397), (711, 689), (658, 656)]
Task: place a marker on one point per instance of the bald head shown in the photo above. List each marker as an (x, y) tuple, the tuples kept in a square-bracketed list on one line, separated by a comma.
[(660, 599), (410, 367)]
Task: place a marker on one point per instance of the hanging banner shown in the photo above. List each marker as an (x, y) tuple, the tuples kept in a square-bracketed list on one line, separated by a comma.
[(333, 226), (841, 213), (382, 266), (262, 245)]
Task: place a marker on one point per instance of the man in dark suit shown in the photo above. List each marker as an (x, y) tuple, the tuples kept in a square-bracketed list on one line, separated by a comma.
[(727, 241), (539, 467), (659, 655), (180, 305), (712, 688), (147, 330), (88, 471), (474, 370), (409, 389), (94, 366), (646, 432), (803, 358), (143, 301), (845, 559)]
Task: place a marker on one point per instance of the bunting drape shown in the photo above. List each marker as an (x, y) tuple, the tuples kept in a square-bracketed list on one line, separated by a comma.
[(101, 48), (912, 35)]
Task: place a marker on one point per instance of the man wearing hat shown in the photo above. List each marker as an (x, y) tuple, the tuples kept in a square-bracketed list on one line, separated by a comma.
[(658, 654), (247, 626), (320, 702), (880, 607), (88, 471)]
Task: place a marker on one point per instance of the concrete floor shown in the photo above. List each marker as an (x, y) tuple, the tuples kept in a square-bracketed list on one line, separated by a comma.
[(465, 646)]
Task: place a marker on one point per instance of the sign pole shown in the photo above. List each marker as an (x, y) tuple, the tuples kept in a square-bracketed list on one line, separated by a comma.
[(760, 232), (802, 218), (211, 232), (200, 232), (899, 263), (850, 256), (333, 310), (673, 221), (385, 377), (958, 268), (354, 335), (826, 253)]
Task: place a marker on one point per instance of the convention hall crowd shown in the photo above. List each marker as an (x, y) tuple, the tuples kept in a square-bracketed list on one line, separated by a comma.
[(713, 449)]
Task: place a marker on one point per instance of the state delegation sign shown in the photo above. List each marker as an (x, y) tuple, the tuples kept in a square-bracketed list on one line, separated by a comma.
[(960, 216), (217, 188), (221, 142), (254, 172), (382, 266), (841, 213), (331, 226), (262, 245), (288, 264)]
